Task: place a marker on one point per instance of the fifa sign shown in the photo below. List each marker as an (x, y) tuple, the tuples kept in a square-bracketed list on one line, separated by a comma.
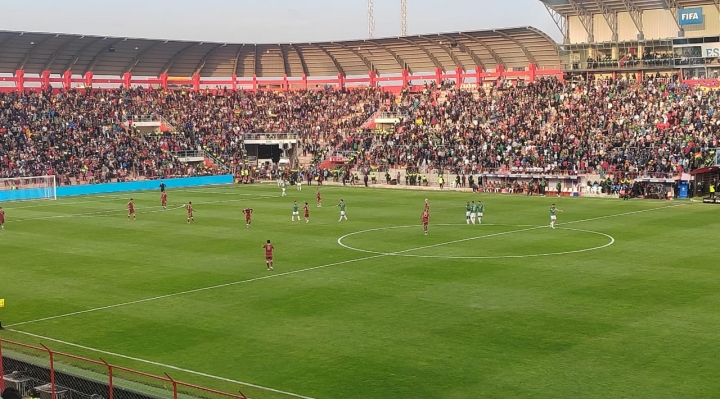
[(690, 16)]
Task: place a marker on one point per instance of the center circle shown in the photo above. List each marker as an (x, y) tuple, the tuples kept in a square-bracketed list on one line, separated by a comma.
[(520, 229)]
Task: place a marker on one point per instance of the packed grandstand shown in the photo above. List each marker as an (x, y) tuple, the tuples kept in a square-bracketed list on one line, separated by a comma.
[(494, 101), (649, 127)]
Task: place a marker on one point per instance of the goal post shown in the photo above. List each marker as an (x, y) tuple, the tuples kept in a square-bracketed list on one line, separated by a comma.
[(28, 188)]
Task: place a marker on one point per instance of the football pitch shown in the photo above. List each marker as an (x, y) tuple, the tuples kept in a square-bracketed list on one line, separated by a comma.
[(620, 300)]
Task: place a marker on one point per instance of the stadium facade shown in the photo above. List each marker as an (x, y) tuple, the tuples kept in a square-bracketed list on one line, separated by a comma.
[(655, 36), (44, 59)]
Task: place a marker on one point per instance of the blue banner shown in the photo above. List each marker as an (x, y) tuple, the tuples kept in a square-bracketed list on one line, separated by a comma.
[(88, 189), (690, 16)]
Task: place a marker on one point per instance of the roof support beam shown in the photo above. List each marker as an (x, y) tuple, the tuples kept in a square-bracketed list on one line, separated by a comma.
[(369, 64), (403, 65), (561, 21), (302, 59), (175, 56), (131, 65), (332, 58), (586, 19), (611, 18), (77, 55), (201, 63), (493, 54), (65, 45), (636, 16), (100, 53), (286, 66), (21, 65), (237, 58), (453, 57), (528, 54), (432, 58), (673, 7), (256, 61)]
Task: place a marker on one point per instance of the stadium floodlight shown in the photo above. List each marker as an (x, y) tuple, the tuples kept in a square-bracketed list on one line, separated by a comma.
[(27, 188), (371, 19)]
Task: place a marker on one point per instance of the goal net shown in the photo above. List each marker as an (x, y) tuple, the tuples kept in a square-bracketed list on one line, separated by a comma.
[(27, 188)]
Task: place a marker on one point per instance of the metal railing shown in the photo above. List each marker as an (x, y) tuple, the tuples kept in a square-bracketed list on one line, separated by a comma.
[(56, 375), (188, 154), (216, 160), (270, 136)]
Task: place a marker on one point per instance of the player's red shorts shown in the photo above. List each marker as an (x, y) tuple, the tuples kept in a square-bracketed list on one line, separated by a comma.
[(190, 214), (425, 222), (2, 219), (268, 257), (248, 220), (131, 210), (307, 215)]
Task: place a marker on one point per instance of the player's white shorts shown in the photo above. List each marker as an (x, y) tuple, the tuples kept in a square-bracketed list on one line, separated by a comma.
[(296, 213), (342, 213), (553, 218), (467, 213), (480, 214), (472, 215)]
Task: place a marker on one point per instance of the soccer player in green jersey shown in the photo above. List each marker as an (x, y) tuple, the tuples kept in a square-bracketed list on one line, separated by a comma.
[(479, 211), (553, 217), (472, 213), (468, 211), (342, 210), (296, 212)]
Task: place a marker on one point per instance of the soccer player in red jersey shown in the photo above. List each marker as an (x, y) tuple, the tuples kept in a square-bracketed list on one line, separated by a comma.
[(306, 209), (2, 218), (190, 213), (318, 198), (131, 210), (248, 218), (425, 220), (163, 200), (269, 255)]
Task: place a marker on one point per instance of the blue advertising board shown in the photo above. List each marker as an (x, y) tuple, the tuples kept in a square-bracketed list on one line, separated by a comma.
[(690, 16), (87, 189)]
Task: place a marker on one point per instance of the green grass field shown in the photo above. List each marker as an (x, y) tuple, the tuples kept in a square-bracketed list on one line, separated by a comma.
[(619, 301)]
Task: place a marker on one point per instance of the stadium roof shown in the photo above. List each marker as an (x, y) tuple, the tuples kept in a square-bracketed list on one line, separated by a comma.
[(113, 56), (576, 7)]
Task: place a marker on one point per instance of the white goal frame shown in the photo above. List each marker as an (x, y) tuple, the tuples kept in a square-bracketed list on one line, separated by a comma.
[(28, 188)]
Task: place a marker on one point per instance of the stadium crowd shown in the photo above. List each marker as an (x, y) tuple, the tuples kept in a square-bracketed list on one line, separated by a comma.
[(647, 127), (80, 136)]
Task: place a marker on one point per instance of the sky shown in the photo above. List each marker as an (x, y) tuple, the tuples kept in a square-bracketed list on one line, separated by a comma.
[(267, 21)]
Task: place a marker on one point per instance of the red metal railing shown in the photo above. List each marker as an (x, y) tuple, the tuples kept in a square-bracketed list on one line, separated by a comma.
[(101, 372), (20, 81)]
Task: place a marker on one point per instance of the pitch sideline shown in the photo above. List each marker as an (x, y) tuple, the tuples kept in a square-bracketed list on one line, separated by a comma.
[(167, 366)]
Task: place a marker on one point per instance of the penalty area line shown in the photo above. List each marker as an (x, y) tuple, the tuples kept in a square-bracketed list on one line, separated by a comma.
[(167, 366)]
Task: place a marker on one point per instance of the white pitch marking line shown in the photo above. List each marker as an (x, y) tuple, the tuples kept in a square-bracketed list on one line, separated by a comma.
[(272, 276), (89, 214), (611, 242), (167, 366), (194, 290)]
